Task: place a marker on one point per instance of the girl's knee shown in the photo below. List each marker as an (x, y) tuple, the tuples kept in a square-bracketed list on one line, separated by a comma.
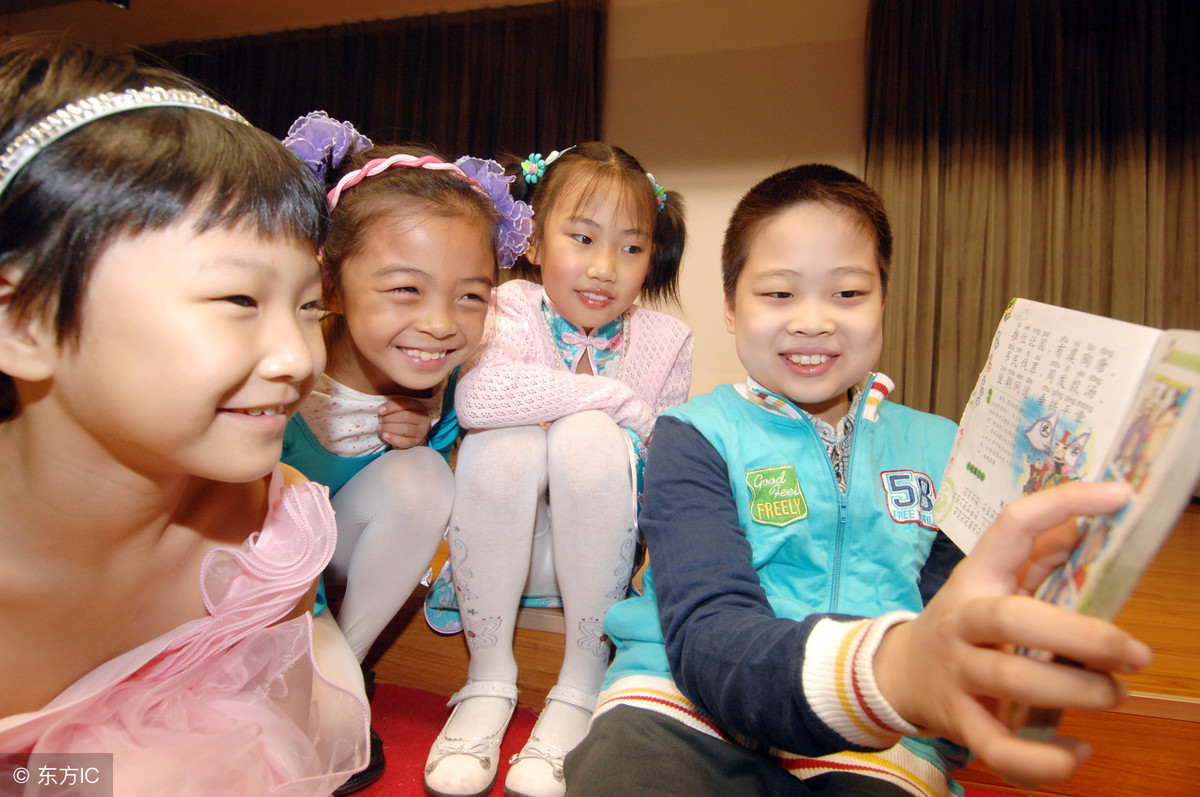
[(414, 475), (588, 444), (589, 431), (519, 453)]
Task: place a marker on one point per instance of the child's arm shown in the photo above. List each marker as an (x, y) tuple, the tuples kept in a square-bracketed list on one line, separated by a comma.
[(728, 651), (514, 381), (947, 670)]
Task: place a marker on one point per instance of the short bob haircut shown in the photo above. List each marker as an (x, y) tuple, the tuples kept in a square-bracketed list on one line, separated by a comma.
[(125, 174), (128, 173)]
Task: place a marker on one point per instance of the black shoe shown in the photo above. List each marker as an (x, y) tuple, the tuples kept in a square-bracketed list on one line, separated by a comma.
[(364, 778)]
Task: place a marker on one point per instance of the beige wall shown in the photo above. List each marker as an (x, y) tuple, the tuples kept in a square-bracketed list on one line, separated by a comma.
[(711, 95)]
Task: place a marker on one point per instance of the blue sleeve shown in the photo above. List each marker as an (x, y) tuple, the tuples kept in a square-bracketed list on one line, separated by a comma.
[(728, 652)]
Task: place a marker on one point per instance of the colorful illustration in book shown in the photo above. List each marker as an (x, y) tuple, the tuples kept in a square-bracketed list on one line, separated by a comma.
[(1049, 451), (1159, 406), (1065, 585)]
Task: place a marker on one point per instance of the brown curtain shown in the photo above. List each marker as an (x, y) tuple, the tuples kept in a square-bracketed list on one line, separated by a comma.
[(1048, 149), (515, 79)]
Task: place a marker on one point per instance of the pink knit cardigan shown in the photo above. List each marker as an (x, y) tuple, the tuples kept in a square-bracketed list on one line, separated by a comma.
[(518, 377)]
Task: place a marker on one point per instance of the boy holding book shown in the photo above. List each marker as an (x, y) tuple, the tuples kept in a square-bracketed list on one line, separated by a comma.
[(777, 648)]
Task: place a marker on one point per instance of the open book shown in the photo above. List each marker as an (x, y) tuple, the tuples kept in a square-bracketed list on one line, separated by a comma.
[(1067, 395)]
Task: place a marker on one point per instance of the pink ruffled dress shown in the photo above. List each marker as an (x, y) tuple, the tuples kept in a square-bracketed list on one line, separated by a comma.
[(228, 704)]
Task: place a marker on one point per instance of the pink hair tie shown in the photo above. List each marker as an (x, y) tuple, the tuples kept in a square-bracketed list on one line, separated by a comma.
[(378, 165)]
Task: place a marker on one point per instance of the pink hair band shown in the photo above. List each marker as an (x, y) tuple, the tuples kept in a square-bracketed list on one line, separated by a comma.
[(378, 165)]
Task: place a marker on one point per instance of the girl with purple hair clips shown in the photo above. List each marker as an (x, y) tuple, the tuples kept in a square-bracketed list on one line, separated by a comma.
[(408, 270), (559, 404)]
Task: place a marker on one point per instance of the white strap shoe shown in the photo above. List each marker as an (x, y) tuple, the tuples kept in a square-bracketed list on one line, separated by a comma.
[(467, 766), (537, 771)]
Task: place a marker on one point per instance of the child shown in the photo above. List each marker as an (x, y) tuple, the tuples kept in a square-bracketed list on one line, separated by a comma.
[(571, 377), (159, 300), (408, 271), (772, 517)]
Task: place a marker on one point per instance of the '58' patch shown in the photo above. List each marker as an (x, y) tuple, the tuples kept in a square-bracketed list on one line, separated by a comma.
[(910, 496)]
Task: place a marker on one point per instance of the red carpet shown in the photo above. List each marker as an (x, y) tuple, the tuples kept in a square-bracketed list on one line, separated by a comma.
[(409, 721)]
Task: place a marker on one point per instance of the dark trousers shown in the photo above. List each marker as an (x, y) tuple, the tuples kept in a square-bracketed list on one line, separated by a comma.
[(631, 751)]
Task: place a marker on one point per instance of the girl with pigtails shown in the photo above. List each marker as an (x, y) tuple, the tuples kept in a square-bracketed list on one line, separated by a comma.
[(413, 254), (559, 405)]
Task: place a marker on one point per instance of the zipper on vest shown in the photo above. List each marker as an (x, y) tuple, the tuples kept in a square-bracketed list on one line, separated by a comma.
[(835, 581)]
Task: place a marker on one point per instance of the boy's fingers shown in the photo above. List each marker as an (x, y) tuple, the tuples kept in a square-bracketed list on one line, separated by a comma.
[(1034, 624), (1019, 761), (1027, 681), (1027, 763), (1008, 544)]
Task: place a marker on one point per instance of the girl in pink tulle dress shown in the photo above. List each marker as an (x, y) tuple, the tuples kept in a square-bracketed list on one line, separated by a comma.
[(159, 296)]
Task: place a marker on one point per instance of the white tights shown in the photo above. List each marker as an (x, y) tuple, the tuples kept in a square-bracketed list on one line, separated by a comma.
[(391, 517), (581, 466), (514, 488)]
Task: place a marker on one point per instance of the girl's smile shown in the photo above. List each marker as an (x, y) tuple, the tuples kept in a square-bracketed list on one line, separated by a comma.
[(414, 299), (216, 338), (593, 255)]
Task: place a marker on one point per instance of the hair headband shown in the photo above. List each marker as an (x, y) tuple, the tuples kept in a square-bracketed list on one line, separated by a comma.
[(323, 143), (534, 167), (75, 115), (379, 165)]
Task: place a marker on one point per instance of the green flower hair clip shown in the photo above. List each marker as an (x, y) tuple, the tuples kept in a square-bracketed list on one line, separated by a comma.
[(533, 168), (660, 193)]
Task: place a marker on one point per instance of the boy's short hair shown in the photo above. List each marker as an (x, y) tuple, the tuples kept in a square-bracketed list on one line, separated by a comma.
[(814, 182)]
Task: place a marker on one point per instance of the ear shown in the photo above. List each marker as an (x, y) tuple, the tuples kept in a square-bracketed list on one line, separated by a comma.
[(28, 347), (729, 316), (533, 253)]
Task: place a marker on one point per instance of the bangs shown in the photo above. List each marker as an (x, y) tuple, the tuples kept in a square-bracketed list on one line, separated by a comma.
[(635, 192), (141, 171)]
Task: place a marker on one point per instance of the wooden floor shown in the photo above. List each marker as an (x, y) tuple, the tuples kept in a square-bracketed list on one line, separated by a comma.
[(1149, 747)]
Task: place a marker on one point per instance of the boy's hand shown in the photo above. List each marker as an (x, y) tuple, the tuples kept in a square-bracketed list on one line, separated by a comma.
[(403, 422), (949, 670)]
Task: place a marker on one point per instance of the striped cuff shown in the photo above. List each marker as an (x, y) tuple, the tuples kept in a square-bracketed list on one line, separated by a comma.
[(839, 681)]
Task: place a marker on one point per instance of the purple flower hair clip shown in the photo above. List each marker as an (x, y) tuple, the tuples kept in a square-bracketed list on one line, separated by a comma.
[(516, 217), (322, 142)]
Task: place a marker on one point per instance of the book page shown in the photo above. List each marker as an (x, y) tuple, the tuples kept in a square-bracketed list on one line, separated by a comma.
[(1044, 410), (1157, 453)]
